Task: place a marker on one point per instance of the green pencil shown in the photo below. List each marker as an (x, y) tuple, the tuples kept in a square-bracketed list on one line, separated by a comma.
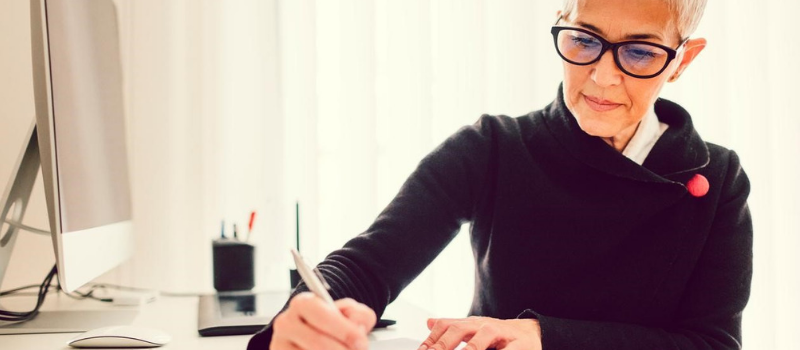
[(297, 225)]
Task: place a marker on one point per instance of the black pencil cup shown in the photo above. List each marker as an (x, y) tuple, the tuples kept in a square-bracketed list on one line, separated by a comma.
[(234, 263)]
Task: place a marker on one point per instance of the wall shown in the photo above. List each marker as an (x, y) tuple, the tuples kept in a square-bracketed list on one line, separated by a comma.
[(204, 132)]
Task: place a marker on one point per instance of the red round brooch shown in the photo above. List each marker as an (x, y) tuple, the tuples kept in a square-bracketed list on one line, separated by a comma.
[(698, 186)]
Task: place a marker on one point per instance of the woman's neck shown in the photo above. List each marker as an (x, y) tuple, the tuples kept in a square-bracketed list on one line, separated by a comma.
[(620, 141)]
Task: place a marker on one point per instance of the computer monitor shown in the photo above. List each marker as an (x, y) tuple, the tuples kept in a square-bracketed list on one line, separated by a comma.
[(79, 140)]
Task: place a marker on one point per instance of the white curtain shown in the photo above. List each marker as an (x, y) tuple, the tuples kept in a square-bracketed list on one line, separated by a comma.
[(206, 137), (252, 105)]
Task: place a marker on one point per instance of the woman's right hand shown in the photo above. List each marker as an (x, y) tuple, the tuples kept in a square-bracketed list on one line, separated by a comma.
[(311, 324)]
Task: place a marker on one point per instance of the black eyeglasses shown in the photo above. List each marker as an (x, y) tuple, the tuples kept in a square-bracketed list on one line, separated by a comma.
[(639, 59)]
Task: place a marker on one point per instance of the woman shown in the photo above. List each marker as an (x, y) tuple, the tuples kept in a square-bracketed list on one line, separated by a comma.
[(600, 222)]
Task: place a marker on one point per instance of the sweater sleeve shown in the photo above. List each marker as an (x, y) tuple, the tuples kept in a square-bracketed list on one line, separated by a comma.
[(412, 230), (710, 313)]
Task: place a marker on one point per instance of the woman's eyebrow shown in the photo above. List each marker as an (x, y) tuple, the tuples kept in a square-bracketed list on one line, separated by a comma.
[(641, 36)]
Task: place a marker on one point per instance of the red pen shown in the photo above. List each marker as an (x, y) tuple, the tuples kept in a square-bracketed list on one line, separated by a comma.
[(250, 225)]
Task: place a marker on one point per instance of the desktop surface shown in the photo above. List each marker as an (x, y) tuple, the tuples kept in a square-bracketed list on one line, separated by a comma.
[(178, 317)]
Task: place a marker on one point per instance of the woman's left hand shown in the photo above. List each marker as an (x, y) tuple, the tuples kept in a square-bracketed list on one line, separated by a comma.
[(482, 333)]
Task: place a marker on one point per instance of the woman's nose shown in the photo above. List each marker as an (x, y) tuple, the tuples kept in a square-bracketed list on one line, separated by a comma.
[(605, 72)]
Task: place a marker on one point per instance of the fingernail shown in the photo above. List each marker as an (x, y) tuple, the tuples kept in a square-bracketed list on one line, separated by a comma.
[(423, 347), (362, 344)]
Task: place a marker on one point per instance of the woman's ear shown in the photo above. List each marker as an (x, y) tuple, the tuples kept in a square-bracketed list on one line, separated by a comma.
[(693, 48)]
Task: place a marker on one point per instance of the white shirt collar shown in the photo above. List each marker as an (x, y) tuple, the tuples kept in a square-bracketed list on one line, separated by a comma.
[(645, 137)]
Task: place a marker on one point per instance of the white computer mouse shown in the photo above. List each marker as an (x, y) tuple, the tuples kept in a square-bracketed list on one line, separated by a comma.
[(121, 337)]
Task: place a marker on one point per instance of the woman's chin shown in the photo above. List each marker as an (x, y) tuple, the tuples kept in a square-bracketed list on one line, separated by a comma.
[(596, 128)]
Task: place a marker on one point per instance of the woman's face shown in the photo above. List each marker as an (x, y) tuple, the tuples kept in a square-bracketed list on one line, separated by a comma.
[(605, 101)]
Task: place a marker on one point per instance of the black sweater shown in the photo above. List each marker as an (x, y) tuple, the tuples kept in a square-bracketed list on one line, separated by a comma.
[(605, 253)]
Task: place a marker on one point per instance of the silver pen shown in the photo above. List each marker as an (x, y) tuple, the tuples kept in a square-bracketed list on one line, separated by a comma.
[(313, 279)]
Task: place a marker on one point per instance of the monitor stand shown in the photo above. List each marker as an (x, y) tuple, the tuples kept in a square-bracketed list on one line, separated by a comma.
[(69, 321), (15, 198), (12, 209)]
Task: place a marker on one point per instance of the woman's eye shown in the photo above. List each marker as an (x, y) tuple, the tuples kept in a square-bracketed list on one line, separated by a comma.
[(641, 54), (585, 41)]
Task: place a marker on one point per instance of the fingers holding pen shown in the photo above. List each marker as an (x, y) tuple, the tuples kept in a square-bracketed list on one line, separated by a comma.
[(357, 312), (324, 319), (298, 335), (328, 320)]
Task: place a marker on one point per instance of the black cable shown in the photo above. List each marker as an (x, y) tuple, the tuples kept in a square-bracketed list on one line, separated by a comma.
[(15, 290), (82, 296), (44, 288), (23, 316), (90, 293), (26, 294), (15, 316)]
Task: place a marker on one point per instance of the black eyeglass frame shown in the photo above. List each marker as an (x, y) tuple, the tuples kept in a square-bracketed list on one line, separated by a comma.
[(671, 53)]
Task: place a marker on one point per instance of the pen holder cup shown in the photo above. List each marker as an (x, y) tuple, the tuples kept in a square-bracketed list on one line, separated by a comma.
[(234, 263)]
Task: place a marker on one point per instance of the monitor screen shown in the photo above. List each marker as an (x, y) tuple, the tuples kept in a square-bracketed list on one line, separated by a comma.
[(88, 114)]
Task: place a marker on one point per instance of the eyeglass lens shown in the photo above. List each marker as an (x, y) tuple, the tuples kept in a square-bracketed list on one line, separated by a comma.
[(634, 58)]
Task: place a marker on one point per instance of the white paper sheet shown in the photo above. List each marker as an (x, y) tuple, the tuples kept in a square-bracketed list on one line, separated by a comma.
[(395, 344), (401, 344)]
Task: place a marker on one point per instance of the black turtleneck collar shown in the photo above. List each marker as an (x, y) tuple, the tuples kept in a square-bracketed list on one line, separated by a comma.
[(678, 153)]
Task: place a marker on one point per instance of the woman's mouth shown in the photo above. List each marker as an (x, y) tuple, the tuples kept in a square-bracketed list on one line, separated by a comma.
[(600, 105)]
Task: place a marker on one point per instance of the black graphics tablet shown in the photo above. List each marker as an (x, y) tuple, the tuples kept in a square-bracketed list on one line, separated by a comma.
[(237, 313), (240, 313)]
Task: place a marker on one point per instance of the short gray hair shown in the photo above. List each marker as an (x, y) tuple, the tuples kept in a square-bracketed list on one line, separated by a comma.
[(686, 12)]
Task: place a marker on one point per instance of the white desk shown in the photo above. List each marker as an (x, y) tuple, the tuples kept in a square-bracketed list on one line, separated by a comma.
[(178, 317)]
